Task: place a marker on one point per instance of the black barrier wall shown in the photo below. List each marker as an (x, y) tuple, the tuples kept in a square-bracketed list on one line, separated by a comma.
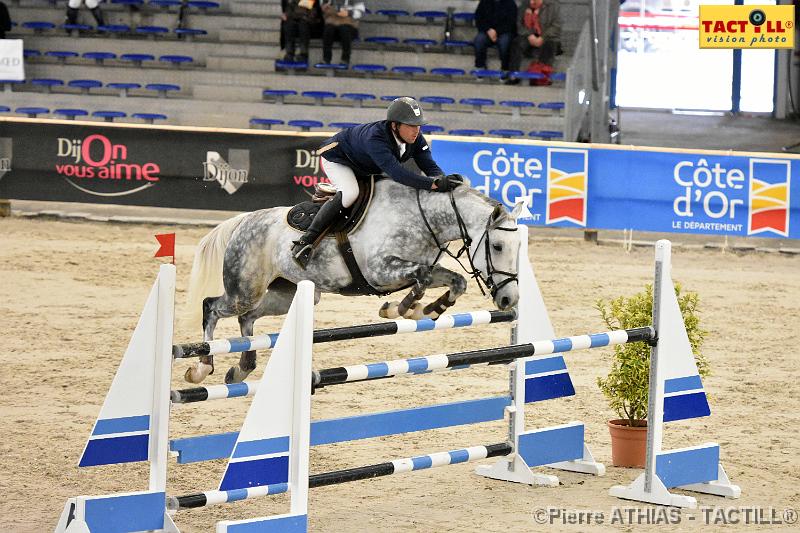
[(195, 168)]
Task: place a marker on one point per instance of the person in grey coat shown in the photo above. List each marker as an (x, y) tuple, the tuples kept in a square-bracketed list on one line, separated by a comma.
[(538, 32)]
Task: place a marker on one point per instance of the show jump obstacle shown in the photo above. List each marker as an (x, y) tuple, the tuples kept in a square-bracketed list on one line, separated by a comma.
[(270, 453)]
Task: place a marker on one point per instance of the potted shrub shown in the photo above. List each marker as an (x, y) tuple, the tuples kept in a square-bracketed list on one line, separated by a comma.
[(627, 384)]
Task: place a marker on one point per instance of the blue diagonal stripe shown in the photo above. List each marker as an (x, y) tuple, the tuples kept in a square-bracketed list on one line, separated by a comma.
[(261, 447), (540, 366), (126, 424), (682, 384)]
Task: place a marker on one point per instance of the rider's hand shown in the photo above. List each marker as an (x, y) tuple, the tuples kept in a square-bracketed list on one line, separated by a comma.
[(446, 183)]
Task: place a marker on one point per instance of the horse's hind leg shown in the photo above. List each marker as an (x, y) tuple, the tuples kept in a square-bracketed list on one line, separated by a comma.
[(214, 308), (276, 301)]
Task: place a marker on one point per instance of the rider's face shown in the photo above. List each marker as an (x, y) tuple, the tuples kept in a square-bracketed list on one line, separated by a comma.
[(407, 133)]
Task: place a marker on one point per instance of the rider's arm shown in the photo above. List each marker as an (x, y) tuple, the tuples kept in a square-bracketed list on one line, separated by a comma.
[(388, 163), (424, 159)]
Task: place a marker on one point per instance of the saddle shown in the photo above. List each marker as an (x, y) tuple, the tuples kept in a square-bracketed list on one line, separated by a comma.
[(301, 215)]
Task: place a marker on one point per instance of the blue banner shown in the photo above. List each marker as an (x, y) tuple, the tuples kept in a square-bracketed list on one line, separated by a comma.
[(660, 190)]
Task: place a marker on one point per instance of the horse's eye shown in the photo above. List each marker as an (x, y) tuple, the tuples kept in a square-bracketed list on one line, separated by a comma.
[(497, 247)]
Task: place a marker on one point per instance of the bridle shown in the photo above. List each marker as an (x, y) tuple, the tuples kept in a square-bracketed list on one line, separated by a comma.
[(473, 272)]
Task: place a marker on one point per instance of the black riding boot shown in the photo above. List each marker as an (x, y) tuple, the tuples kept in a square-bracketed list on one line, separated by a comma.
[(327, 214)]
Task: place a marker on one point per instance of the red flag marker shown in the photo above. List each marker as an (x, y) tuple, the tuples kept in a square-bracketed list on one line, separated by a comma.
[(167, 242)]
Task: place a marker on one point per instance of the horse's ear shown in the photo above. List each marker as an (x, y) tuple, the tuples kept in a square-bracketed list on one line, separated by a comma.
[(518, 209), (499, 214)]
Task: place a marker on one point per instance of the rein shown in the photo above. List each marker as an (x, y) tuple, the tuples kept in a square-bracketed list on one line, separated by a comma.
[(472, 272)]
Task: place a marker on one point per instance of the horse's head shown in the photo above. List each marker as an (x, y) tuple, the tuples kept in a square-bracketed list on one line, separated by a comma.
[(496, 253)]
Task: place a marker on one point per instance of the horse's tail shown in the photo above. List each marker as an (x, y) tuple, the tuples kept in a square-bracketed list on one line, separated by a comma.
[(206, 277)]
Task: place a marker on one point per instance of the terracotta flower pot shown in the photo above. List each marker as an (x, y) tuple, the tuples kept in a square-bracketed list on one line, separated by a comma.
[(628, 444)]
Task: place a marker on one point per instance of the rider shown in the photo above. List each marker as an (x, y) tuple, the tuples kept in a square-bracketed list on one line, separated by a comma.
[(374, 148)]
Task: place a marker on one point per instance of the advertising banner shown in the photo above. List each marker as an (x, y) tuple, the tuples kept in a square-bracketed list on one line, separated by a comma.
[(162, 167), (661, 190)]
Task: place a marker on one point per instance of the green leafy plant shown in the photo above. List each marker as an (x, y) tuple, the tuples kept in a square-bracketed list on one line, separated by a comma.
[(626, 386)]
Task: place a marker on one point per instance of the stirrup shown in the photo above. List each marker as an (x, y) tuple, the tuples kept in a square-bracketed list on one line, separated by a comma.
[(301, 253)]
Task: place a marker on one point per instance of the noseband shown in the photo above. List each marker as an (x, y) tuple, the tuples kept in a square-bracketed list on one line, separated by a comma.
[(473, 272)]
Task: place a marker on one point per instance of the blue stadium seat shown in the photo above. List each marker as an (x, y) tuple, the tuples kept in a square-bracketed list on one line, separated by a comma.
[(162, 88), (152, 31), (123, 88), (357, 98), (189, 33), (176, 61), (502, 132), (203, 5), (128, 2), (431, 128), (265, 123), (448, 72), (38, 26), (4, 109), (47, 83), (70, 114), (331, 68), (109, 116), (482, 73), (99, 57), (437, 101), (553, 106), (476, 103), (318, 96), (464, 16), (369, 69), (114, 28), (459, 46), (85, 85), (137, 59), (516, 107), (383, 41), (165, 4), (558, 76), (430, 16), (32, 112), (389, 98), (393, 13), (420, 44), (523, 75), (547, 134), (306, 125), (30, 52), (76, 27), (61, 55), (278, 94), (290, 66), (467, 132), (408, 71), (342, 125), (150, 118)]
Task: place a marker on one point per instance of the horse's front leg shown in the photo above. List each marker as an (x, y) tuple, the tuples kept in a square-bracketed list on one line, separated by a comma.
[(456, 284), (408, 307)]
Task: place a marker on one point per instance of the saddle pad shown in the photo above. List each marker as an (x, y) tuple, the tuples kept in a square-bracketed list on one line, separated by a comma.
[(301, 215)]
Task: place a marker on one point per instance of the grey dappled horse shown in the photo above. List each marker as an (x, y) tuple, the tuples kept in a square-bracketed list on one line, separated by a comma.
[(394, 247)]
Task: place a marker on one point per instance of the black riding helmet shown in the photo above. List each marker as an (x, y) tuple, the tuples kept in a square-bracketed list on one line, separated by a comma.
[(405, 110)]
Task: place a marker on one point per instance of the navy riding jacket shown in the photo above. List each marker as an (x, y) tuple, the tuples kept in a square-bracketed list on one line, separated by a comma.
[(371, 149)]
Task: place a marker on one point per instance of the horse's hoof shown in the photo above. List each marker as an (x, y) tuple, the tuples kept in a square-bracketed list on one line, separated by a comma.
[(196, 374), (389, 310), (415, 312), (230, 376)]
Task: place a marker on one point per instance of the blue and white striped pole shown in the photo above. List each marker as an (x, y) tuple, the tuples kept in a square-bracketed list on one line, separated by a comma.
[(394, 327), (398, 466)]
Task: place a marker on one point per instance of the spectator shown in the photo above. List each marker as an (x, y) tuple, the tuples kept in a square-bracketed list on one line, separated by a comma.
[(496, 23), (5, 20), (93, 5), (538, 33), (298, 17), (341, 22)]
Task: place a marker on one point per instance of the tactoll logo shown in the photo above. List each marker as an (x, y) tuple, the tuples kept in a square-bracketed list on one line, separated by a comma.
[(769, 197), (307, 168), (567, 185), (231, 174), (746, 26), (95, 160)]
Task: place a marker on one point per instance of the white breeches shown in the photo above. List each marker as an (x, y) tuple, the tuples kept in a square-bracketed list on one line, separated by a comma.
[(91, 4), (343, 178)]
